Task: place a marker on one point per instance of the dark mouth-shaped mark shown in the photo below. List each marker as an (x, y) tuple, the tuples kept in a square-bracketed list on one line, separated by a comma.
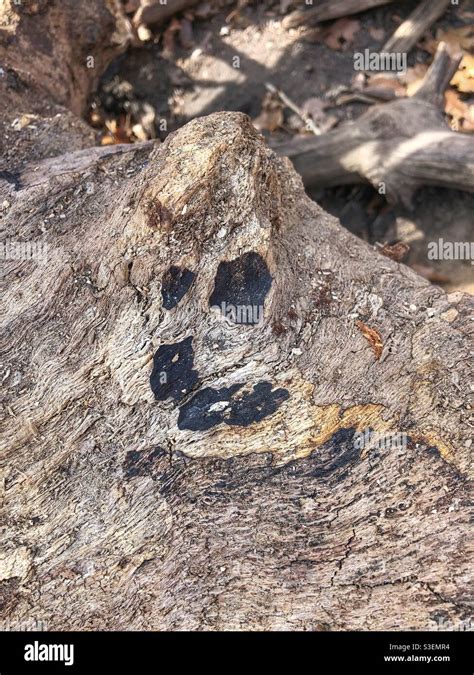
[(206, 409), (240, 288), (173, 375), (254, 406), (210, 407), (176, 283)]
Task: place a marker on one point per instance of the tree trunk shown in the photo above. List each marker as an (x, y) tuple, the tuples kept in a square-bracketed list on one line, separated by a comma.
[(193, 369)]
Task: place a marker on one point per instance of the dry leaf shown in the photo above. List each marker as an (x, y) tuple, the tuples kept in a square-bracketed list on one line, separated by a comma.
[(463, 79), (457, 109), (372, 336), (458, 38), (269, 120), (380, 81), (119, 131), (413, 78), (339, 35)]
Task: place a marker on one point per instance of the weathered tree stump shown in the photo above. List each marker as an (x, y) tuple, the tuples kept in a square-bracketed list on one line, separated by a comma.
[(184, 377)]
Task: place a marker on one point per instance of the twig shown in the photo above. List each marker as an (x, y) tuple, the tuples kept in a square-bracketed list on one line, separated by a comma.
[(370, 99), (439, 75), (290, 104), (410, 31), (330, 9)]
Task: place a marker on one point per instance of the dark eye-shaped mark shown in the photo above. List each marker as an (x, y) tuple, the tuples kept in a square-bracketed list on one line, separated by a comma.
[(173, 375), (176, 283), (240, 288)]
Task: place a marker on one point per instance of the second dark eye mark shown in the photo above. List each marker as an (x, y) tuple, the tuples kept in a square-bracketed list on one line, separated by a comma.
[(240, 288)]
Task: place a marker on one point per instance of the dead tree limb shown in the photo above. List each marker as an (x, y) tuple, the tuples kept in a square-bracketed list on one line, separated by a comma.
[(439, 75), (330, 9), (153, 12), (415, 26), (398, 147)]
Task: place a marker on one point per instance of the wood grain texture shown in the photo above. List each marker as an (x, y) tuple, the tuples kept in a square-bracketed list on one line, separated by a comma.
[(58, 49), (240, 501)]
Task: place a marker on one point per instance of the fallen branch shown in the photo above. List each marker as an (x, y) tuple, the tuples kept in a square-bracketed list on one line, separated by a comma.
[(154, 12), (396, 147), (418, 22), (330, 9)]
